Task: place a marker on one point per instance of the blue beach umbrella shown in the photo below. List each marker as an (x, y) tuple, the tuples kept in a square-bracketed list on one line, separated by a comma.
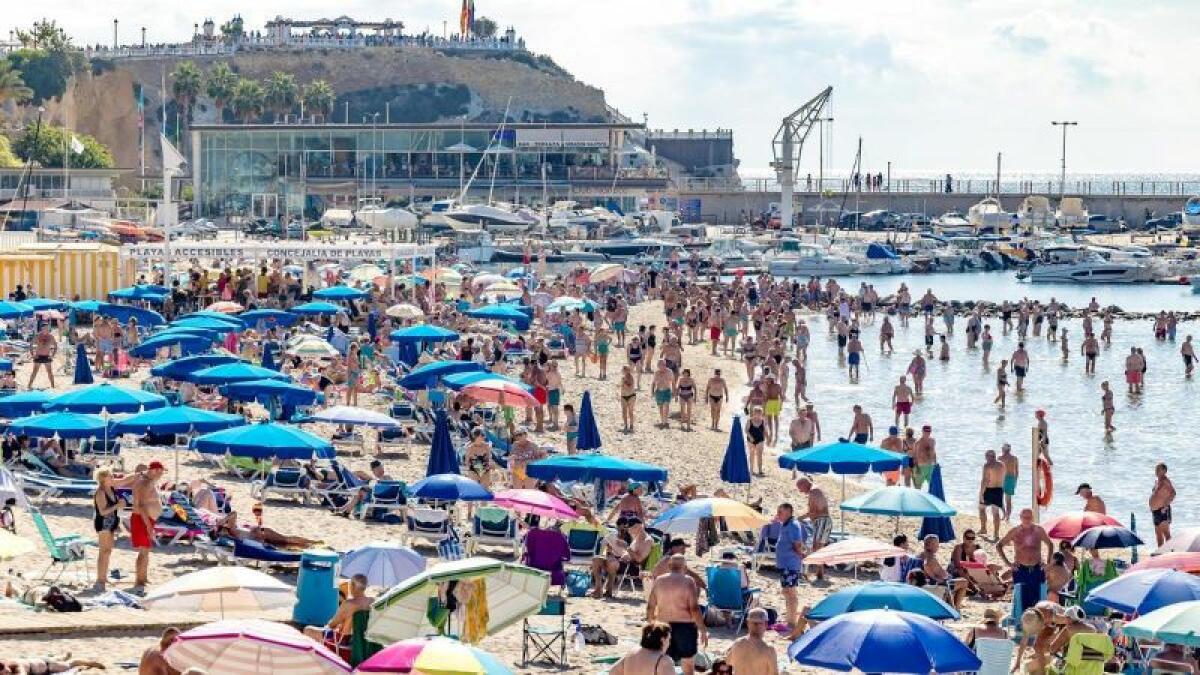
[(427, 376), (449, 487), (178, 369), (14, 310), (339, 293), (842, 458), (442, 457), (268, 360), (218, 316), (346, 414), (188, 343), (1107, 536), (191, 331), (83, 367), (456, 381), (265, 390), (23, 403), (591, 467), (61, 424), (141, 292), (897, 500), (42, 304), (229, 373), (423, 333), (265, 441), (882, 595), (883, 641), (1144, 591), (179, 419), (105, 397), (316, 308), (86, 305), (257, 317), (145, 317), (589, 432), (940, 526), (207, 323), (502, 313), (734, 515), (735, 467)]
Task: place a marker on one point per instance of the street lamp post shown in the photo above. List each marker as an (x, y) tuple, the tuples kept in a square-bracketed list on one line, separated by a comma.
[(1062, 181)]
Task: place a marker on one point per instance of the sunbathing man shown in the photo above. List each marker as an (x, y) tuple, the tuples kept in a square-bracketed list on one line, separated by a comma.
[(378, 473), (46, 664), (264, 535), (626, 552), (153, 662), (341, 625)]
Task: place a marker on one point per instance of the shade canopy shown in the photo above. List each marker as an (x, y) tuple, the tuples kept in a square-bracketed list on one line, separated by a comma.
[(897, 500), (383, 563), (180, 419), (499, 313), (105, 397), (449, 487), (229, 373), (1145, 591), (178, 369), (224, 317), (141, 292), (842, 458), (23, 403), (14, 310), (591, 467), (61, 424), (265, 441), (1177, 624), (883, 641), (428, 375), (882, 595), (252, 647), (1183, 561), (423, 333), (209, 323)]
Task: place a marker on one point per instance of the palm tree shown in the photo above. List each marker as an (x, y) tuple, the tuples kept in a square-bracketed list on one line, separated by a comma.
[(318, 97), (12, 86), (281, 92), (219, 86), (248, 100), (186, 87)]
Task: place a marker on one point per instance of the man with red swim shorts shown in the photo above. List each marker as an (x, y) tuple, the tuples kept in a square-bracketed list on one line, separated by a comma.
[(146, 509)]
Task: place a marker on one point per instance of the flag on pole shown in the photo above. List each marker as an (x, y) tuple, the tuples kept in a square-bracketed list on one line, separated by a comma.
[(464, 19), (172, 160), (76, 145)]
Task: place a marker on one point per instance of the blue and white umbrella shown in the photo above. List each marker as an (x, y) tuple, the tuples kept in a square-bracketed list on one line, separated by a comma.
[(345, 414)]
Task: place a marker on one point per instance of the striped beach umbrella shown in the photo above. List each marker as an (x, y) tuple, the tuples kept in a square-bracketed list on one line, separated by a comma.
[(252, 647), (433, 656)]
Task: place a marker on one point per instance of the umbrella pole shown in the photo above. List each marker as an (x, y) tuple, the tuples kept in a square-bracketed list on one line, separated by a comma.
[(843, 514)]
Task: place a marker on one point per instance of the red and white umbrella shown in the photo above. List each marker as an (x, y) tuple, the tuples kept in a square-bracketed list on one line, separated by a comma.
[(252, 647), (852, 550), (1070, 525), (500, 392), (536, 503)]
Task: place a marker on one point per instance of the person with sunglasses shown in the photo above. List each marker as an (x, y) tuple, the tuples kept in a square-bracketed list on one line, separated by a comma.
[(721, 667), (751, 653)]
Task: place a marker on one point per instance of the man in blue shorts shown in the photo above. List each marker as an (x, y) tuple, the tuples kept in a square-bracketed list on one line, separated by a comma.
[(789, 558)]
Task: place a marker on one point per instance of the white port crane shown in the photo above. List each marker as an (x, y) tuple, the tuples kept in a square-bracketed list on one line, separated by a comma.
[(786, 147)]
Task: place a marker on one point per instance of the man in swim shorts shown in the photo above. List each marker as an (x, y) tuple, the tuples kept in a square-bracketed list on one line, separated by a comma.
[(925, 454), (991, 493), (1011, 471)]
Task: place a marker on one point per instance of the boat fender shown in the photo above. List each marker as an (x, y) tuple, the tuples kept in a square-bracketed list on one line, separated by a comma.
[(1045, 483)]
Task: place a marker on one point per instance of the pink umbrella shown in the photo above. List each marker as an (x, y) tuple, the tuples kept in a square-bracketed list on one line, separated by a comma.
[(854, 549), (501, 392), (1070, 525), (252, 647), (1181, 561), (535, 502)]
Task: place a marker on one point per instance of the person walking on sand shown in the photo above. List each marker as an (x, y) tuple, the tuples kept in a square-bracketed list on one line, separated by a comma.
[(818, 518), (1012, 470), (582, 352), (685, 391), (628, 395), (756, 436), (902, 401), (1161, 498), (717, 392), (773, 406), (662, 386), (1106, 406), (991, 493), (603, 341), (1020, 366), (147, 507)]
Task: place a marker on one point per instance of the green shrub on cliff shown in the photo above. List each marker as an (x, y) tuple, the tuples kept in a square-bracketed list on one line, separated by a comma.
[(47, 146)]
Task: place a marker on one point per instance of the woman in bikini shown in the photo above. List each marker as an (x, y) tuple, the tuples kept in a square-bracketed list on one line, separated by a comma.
[(756, 436), (685, 391), (635, 355), (478, 458), (628, 394)]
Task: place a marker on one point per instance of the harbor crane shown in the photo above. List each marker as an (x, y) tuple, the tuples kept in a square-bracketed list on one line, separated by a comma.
[(786, 147)]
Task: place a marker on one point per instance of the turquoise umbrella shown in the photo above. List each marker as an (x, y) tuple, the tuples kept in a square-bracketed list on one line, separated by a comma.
[(256, 317), (40, 304), (423, 333), (882, 595), (180, 419), (145, 317), (147, 293), (339, 293), (229, 373), (205, 323), (179, 369), (842, 458), (23, 403), (234, 321), (428, 375), (592, 467), (1176, 624), (317, 308), (61, 424), (14, 310), (265, 441), (105, 397), (897, 500)]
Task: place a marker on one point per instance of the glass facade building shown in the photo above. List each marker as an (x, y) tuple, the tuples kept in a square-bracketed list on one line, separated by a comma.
[(275, 170)]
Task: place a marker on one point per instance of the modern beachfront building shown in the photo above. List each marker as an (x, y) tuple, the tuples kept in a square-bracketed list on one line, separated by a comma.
[(280, 170)]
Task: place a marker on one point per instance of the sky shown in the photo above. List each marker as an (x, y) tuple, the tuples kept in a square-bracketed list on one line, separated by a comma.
[(929, 85)]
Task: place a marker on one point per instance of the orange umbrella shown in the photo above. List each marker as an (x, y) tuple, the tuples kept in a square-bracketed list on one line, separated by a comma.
[(1181, 561), (501, 392), (1069, 525)]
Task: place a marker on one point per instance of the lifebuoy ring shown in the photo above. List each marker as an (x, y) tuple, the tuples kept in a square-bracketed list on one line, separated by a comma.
[(1045, 491)]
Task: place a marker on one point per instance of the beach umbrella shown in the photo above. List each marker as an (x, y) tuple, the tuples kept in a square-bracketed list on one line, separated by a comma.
[(1183, 561), (511, 593), (882, 595), (345, 414), (206, 323), (1145, 591), (735, 467), (457, 381), (23, 403), (6, 365), (442, 275), (366, 272), (449, 487), (311, 347), (180, 369), (606, 272), (383, 563), (188, 344), (86, 305), (142, 292), (265, 390), (507, 313), (443, 458), (686, 517), (227, 588), (264, 441), (45, 304), (589, 431), (225, 307), (14, 310), (853, 550), (83, 366), (252, 647), (234, 321), (897, 500), (339, 293), (1107, 536), (405, 310), (534, 503), (427, 376), (487, 279), (60, 424), (228, 373), (105, 397), (1177, 624), (423, 333), (191, 332), (317, 308), (12, 546), (433, 656), (178, 419), (881, 640), (569, 304), (10, 488), (592, 467), (842, 458), (279, 317), (145, 317), (1069, 525), (268, 357), (939, 526), (500, 392), (1186, 539)]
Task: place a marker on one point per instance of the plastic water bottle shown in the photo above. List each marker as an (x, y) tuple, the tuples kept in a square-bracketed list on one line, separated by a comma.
[(577, 641)]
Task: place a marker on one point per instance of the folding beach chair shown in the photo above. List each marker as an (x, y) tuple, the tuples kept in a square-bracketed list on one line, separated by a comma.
[(427, 525), (546, 637), (585, 542), (996, 655), (284, 481), (493, 526), (725, 592), (65, 551), (1086, 655)]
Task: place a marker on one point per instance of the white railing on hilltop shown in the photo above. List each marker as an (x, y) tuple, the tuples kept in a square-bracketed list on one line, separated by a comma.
[(267, 42)]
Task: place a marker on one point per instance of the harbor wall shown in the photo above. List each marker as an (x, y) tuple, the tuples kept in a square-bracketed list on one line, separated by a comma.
[(727, 207)]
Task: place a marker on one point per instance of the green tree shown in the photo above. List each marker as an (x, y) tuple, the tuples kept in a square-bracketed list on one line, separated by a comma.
[(48, 146), (281, 93), (219, 86), (45, 35), (8, 160), (185, 87), (484, 28), (234, 29), (248, 100), (12, 87), (318, 97), (45, 72)]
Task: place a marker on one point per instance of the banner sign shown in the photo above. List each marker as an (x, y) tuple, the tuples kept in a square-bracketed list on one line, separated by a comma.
[(281, 250)]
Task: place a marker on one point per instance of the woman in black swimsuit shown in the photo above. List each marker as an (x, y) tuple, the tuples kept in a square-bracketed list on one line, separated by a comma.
[(756, 435), (105, 505), (685, 391), (634, 351)]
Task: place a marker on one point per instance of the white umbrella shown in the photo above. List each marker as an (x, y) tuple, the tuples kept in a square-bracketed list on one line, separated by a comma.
[(366, 273), (11, 489), (383, 563), (222, 589), (1182, 540), (488, 279), (311, 347), (405, 311), (348, 414), (252, 647)]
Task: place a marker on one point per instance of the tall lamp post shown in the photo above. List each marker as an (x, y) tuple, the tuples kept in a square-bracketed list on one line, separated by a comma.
[(1062, 181)]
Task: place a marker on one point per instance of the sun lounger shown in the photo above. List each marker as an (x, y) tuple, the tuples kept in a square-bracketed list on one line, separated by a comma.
[(492, 526), (427, 525), (284, 481), (43, 486), (984, 579), (385, 495), (585, 542), (257, 552), (245, 467), (725, 592)]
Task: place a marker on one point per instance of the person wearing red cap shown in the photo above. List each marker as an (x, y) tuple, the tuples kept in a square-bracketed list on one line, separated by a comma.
[(146, 509)]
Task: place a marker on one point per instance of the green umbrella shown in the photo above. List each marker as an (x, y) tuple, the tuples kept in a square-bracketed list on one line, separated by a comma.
[(1177, 624)]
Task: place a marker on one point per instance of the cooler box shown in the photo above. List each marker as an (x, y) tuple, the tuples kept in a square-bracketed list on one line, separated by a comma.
[(316, 588)]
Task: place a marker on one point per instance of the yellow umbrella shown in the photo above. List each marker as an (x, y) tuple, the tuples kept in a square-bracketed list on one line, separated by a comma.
[(12, 546)]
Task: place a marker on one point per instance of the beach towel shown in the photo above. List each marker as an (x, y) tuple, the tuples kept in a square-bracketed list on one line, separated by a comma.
[(475, 611)]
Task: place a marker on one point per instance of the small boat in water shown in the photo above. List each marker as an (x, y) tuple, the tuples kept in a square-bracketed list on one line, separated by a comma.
[(873, 258), (1081, 264), (795, 259)]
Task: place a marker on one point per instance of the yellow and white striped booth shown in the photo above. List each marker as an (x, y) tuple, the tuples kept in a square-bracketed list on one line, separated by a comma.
[(66, 270)]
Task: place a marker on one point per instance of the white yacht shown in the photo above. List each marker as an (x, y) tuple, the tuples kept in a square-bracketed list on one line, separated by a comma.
[(952, 222), (934, 254), (1035, 214), (491, 217), (373, 214), (1081, 264), (989, 217), (1191, 216), (873, 258), (1071, 214), (807, 260)]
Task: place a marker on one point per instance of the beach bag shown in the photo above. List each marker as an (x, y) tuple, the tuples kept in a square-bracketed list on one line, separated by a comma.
[(578, 583), (596, 635)]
